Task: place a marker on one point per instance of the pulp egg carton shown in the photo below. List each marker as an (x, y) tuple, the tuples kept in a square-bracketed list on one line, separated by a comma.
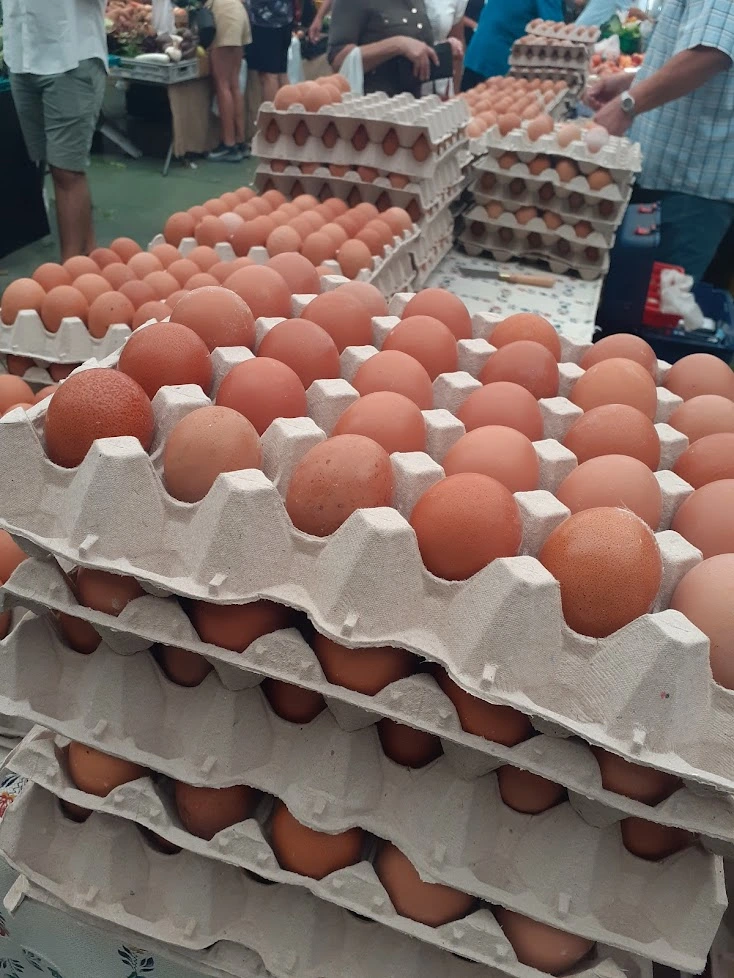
[(473, 827), (532, 50), (430, 262), (106, 867), (436, 229), (36, 376), (417, 701), (488, 240), (72, 343), (478, 145), (576, 33), (601, 237)]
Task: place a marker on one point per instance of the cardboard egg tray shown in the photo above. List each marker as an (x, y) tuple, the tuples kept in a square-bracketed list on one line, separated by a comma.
[(478, 145), (472, 823), (437, 228), (576, 33), (36, 377), (430, 262), (601, 237), (416, 701), (105, 867), (531, 51), (575, 79), (491, 243), (72, 343)]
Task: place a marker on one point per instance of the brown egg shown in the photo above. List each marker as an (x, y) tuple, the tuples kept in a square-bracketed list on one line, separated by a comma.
[(184, 668), (18, 365), (117, 274), (198, 212), (500, 724), (10, 556), (526, 326), (606, 208), (81, 265), (337, 235), (23, 293), (62, 302), (44, 393), (542, 947), (237, 626), (502, 403), (653, 842), (567, 170), (253, 234), (528, 793), (92, 286), (614, 429), (155, 310), (444, 306), (292, 703), (51, 274), (178, 226), (263, 389), (608, 566), (707, 414), (137, 292), (97, 773), (704, 596), (502, 453), (165, 253), (421, 149), (494, 210), (700, 373), (524, 362), (476, 127), (507, 161), (621, 345), (390, 419), (616, 381), (463, 523), (366, 670), (97, 403), (547, 192), (540, 164), (307, 852), (109, 308), (60, 371), (13, 390), (537, 128), (263, 290), (704, 519), (633, 780), (614, 480), (344, 318), (305, 347), (709, 459), (219, 316), (353, 257), (205, 812), (214, 207), (428, 340), (398, 220), (368, 295), (432, 904), (508, 122), (407, 746), (297, 272), (202, 280), (144, 263), (393, 370), (568, 134)]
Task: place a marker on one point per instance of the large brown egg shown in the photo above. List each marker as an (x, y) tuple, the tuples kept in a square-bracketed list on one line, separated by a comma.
[(500, 724), (137, 292), (393, 370), (224, 269), (237, 626), (117, 274), (13, 391), (542, 947), (526, 363), (98, 773), (335, 479), (407, 746), (183, 667), (206, 811), (463, 523), (444, 306), (166, 354), (344, 318), (144, 263), (614, 480), (292, 703), (63, 302), (624, 345), (23, 293), (264, 291), (614, 429), (709, 459), (307, 852), (218, 315), (108, 309), (502, 403), (700, 373), (165, 253), (390, 419), (616, 381), (81, 265), (633, 780), (305, 347), (366, 670), (353, 257), (370, 297), (428, 340), (653, 842), (51, 274), (503, 453), (178, 226), (705, 518), (525, 326), (164, 284), (432, 904), (526, 792), (204, 444), (297, 272), (155, 310), (609, 568), (398, 220), (707, 414), (263, 389), (706, 597), (92, 286), (96, 403)]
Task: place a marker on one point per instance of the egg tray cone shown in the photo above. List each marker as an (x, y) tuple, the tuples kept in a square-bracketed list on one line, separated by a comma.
[(72, 343), (417, 701), (107, 869)]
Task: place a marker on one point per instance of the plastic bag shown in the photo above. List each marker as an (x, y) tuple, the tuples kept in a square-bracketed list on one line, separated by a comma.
[(295, 63), (353, 70), (676, 298), (609, 48), (164, 21)]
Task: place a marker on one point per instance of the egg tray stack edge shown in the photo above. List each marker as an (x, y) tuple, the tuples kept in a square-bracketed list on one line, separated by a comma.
[(551, 866)]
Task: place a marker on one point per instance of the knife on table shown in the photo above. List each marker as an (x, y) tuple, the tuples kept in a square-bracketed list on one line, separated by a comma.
[(514, 278)]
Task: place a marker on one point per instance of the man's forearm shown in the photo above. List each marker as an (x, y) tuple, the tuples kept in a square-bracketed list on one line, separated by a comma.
[(684, 73), (373, 55)]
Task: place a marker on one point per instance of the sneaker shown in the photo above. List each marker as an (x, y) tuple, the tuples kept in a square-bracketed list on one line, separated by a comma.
[(245, 149), (221, 153)]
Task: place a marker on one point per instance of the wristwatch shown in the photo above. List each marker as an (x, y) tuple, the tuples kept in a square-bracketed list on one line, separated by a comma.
[(628, 104)]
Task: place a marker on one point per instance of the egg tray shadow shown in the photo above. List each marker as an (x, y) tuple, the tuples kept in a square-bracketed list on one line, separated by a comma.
[(106, 868), (149, 803), (417, 701)]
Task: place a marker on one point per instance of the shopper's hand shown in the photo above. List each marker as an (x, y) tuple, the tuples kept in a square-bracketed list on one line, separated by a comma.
[(314, 31), (457, 48), (606, 89), (614, 119), (421, 55)]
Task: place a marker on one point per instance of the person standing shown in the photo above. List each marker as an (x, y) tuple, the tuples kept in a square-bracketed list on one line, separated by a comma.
[(680, 108), (272, 28), (57, 56), (225, 58)]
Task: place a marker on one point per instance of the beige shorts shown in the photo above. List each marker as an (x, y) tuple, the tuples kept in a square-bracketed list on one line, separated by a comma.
[(233, 24)]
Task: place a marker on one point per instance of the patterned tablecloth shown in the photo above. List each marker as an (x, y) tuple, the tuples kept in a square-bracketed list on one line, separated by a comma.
[(570, 305)]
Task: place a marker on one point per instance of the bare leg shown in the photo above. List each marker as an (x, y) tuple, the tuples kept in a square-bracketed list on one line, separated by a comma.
[(282, 80), (73, 212), (270, 84), (230, 63), (220, 67)]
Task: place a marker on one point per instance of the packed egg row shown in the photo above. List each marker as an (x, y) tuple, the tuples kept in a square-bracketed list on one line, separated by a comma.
[(517, 189), (360, 141), (519, 241), (506, 102)]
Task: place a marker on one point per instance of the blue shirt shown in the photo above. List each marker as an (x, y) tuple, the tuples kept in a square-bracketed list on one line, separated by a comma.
[(501, 24), (688, 145), (597, 12)]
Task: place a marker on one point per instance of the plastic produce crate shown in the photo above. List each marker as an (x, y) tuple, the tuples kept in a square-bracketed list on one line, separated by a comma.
[(653, 317), (672, 344), (144, 71)]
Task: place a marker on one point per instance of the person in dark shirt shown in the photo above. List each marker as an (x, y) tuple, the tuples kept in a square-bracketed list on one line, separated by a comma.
[(474, 10), (272, 29)]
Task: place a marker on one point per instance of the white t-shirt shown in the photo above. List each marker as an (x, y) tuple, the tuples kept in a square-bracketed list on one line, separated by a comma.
[(49, 37), (444, 15)]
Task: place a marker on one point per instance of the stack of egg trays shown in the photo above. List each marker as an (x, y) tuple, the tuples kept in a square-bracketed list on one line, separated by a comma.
[(576, 33), (97, 520)]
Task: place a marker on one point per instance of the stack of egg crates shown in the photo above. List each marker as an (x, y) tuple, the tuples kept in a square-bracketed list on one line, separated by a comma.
[(554, 46), (377, 810)]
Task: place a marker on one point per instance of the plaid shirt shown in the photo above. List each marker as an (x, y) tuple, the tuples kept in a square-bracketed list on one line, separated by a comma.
[(688, 144)]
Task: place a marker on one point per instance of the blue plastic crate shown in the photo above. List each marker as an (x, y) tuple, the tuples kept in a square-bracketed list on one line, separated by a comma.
[(673, 344)]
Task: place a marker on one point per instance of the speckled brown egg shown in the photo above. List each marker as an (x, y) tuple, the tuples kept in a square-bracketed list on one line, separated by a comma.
[(616, 381), (700, 373), (366, 670), (500, 724), (432, 904), (539, 946), (526, 792), (307, 852), (219, 316), (205, 812), (614, 429), (613, 480)]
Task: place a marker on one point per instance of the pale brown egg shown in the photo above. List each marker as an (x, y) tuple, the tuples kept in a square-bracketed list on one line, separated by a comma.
[(526, 792), (117, 274), (292, 703), (205, 812), (202, 280), (367, 294), (704, 519), (344, 318), (539, 946), (621, 345), (653, 842), (183, 667), (263, 389), (633, 780), (97, 773), (81, 265), (393, 370), (567, 170), (390, 419), (421, 149), (298, 273), (354, 256), (502, 403), (500, 724), (463, 523), (527, 326), (508, 122), (616, 381), (62, 302), (307, 852), (524, 362), (614, 429), (700, 373), (23, 293), (237, 626), (144, 263), (335, 479), (108, 309), (305, 347), (502, 453), (541, 125), (137, 292), (428, 340), (51, 274), (706, 597), (599, 179), (444, 306), (709, 459), (614, 480), (366, 670), (219, 316), (707, 414), (155, 310), (608, 566), (432, 904), (494, 210), (178, 226), (13, 390), (568, 134)]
